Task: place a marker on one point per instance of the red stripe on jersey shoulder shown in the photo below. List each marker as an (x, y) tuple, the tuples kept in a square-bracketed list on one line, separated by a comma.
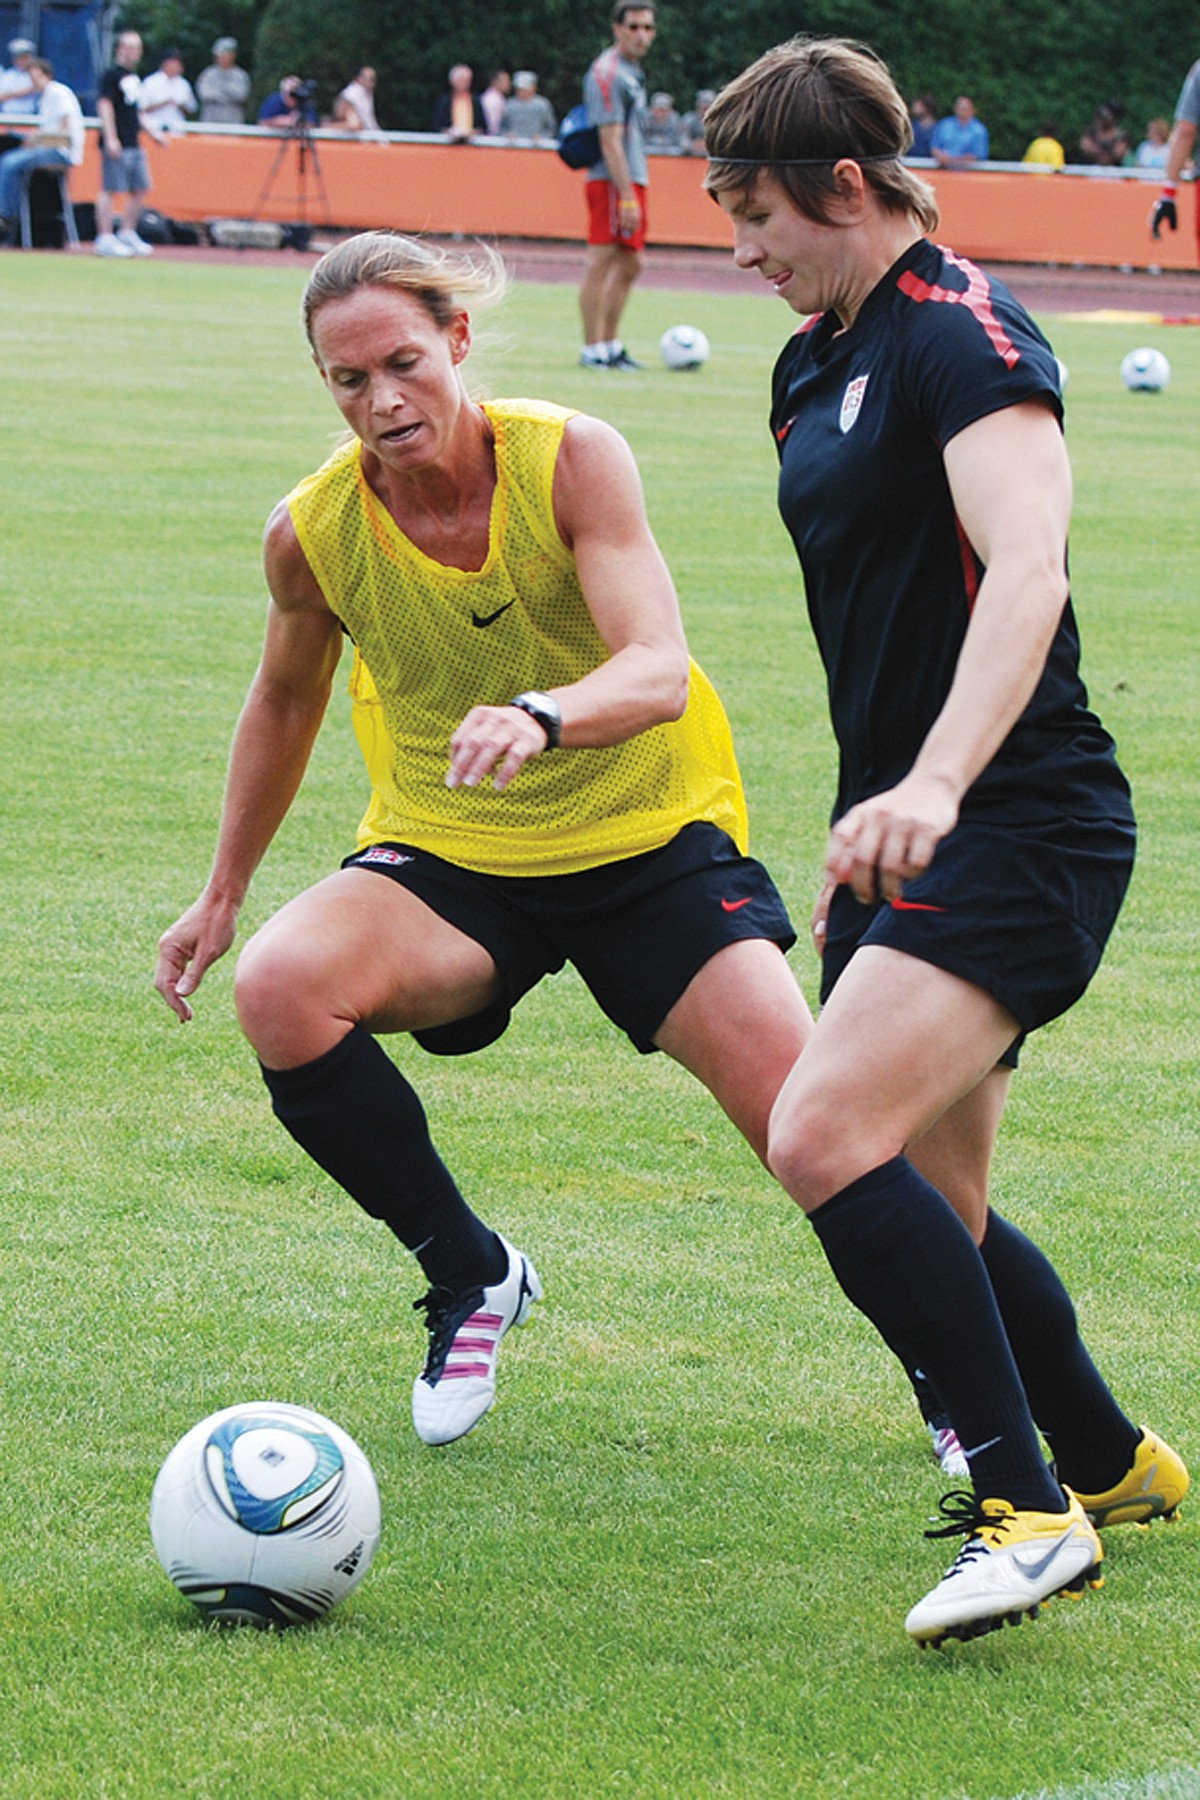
[(975, 298), (605, 70)]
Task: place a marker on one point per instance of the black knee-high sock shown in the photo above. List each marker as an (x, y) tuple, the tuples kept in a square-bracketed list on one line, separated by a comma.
[(904, 1257), (1092, 1439), (356, 1115), (933, 1407)]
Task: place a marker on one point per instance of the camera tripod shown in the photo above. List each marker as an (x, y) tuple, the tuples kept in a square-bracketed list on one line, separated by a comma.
[(299, 134)]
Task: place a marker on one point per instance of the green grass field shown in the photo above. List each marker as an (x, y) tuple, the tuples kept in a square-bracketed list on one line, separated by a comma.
[(676, 1560)]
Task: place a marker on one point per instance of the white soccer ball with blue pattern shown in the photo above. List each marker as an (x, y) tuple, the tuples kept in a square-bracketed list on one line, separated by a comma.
[(265, 1514), (684, 347), (1146, 371)]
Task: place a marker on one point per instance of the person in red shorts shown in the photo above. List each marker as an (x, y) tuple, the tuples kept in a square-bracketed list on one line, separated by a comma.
[(615, 92)]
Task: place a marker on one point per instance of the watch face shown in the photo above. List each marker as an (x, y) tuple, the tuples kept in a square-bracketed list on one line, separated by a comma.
[(545, 710)]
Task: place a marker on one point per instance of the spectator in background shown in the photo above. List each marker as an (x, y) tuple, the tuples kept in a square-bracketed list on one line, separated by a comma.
[(17, 92), (693, 122), (354, 108), (1046, 149), (223, 88), (494, 99), (922, 116), (664, 127), (1180, 149), (458, 112), (287, 107), (342, 117), (167, 95), (56, 144), (528, 115), (124, 169), (615, 91), (1151, 153), (1105, 143), (960, 140)]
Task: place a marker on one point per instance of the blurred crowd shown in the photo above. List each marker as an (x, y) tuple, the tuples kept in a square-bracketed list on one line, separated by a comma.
[(509, 106)]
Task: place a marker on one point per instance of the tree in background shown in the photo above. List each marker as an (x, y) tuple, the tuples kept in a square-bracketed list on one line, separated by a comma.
[(1020, 60)]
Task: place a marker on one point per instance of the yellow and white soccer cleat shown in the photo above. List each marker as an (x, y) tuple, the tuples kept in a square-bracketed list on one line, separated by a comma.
[(1011, 1563), (1152, 1489)]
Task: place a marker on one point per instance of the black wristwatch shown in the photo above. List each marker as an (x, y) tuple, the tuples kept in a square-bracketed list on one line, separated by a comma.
[(546, 710)]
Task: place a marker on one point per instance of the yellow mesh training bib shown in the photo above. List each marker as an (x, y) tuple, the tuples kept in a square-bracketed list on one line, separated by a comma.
[(432, 641)]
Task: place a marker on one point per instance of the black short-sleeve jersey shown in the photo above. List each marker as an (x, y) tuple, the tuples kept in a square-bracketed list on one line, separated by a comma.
[(860, 420), (123, 88)]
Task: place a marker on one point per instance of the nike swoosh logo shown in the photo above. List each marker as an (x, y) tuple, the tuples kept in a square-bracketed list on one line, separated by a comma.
[(736, 905), (900, 905), (1033, 1571), (490, 618)]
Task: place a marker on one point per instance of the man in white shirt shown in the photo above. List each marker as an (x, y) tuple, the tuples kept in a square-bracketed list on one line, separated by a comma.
[(167, 95), (56, 144), (359, 95)]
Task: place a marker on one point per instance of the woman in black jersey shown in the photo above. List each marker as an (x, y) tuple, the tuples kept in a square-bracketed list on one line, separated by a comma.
[(982, 834)]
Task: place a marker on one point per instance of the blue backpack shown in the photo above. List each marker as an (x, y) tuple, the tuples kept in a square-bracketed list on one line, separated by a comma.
[(578, 142)]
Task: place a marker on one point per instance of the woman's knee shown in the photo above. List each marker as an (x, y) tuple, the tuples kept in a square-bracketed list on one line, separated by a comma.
[(814, 1150), (802, 1152), (279, 994)]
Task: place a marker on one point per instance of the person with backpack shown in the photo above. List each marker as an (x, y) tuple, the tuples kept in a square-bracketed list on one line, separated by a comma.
[(614, 91)]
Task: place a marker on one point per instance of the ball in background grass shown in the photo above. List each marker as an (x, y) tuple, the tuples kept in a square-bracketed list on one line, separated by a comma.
[(1145, 371), (684, 347), (265, 1514)]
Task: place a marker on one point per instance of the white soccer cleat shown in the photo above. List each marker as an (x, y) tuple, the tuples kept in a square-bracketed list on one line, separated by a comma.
[(135, 245), (457, 1386), (1011, 1563), (108, 244), (950, 1454)]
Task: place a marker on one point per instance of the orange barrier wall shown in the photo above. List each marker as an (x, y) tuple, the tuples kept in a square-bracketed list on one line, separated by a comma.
[(506, 191)]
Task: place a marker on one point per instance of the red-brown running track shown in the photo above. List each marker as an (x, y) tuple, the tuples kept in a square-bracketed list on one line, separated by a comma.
[(1173, 296)]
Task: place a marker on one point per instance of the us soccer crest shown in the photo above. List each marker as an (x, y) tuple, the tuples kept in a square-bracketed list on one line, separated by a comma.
[(852, 401)]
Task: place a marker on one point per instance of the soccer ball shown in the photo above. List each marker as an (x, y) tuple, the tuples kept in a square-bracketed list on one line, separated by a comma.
[(684, 347), (265, 1514), (1145, 371)]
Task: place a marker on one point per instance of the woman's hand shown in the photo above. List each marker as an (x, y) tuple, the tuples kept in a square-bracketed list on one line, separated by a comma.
[(496, 741), (192, 945), (889, 839), (819, 921)]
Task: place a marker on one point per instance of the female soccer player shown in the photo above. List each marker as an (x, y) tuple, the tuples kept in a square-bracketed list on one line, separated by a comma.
[(552, 780), (982, 836)]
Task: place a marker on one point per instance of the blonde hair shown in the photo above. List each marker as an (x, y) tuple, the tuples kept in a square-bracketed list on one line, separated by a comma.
[(798, 111), (441, 279)]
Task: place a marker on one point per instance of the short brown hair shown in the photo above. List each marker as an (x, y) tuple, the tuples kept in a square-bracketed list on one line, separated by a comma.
[(814, 101), (627, 6), (441, 279)]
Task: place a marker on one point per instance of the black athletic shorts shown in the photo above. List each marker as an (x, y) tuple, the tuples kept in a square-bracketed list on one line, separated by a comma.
[(637, 930), (1023, 912)]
